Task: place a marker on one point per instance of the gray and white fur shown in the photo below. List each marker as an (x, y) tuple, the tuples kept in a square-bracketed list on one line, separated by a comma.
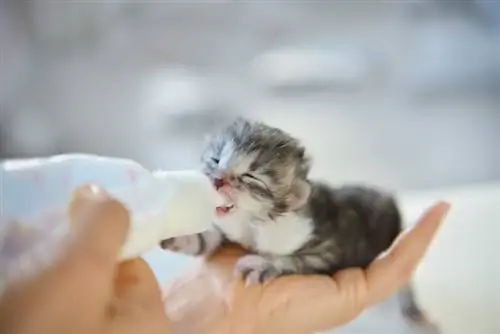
[(290, 224)]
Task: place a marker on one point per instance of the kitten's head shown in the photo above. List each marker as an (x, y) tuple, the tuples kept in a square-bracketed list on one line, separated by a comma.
[(260, 170)]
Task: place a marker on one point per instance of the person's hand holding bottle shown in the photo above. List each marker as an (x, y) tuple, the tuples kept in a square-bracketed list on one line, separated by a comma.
[(87, 291)]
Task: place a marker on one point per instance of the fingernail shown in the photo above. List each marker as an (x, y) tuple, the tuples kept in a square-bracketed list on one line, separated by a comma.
[(95, 191), (85, 196), (91, 191)]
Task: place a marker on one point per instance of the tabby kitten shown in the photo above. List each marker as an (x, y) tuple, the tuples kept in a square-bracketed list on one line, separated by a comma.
[(290, 224)]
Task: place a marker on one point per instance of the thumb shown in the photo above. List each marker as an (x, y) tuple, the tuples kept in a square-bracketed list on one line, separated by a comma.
[(101, 225)]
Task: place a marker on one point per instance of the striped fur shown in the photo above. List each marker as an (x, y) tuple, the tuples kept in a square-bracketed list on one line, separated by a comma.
[(291, 224)]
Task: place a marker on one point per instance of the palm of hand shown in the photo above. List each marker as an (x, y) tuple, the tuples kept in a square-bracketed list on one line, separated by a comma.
[(276, 307), (211, 300)]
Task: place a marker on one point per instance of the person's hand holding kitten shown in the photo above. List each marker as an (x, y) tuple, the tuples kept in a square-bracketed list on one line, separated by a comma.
[(86, 292), (211, 300), (289, 222)]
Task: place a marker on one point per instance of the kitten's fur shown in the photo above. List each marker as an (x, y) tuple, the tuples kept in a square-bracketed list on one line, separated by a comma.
[(292, 224)]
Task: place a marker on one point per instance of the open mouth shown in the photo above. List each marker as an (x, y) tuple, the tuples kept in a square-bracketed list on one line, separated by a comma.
[(224, 209)]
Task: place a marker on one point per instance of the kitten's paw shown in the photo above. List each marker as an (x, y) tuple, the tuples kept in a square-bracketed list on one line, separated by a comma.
[(187, 244), (255, 269)]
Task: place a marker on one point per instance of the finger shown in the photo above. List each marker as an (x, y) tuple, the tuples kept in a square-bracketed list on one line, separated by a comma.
[(394, 268), (81, 199), (136, 288), (84, 275), (337, 301), (101, 225)]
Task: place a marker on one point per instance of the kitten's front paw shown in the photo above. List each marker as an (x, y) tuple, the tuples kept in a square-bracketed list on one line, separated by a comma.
[(255, 269), (187, 244)]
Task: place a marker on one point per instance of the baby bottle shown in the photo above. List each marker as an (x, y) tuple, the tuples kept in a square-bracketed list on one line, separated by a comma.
[(34, 197)]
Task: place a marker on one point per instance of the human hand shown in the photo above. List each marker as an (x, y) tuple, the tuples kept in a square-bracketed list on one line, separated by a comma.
[(211, 300), (87, 291)]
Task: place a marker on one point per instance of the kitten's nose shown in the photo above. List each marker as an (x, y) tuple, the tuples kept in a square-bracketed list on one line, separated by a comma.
[(218, 183)]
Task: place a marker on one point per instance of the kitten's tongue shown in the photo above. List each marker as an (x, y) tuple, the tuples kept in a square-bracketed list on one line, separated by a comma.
[(221, 210)]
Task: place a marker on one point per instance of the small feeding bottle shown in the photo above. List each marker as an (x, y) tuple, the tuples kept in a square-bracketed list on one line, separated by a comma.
[(35, 193)]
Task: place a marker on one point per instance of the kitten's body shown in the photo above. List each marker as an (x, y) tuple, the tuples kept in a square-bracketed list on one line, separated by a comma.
[(291, 224)]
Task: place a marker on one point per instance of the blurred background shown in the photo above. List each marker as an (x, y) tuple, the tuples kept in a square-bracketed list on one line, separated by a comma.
[(399, 93), (402, 94)]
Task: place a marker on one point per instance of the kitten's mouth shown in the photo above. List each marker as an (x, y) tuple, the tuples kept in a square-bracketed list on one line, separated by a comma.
[(228, 206), (224, 209)]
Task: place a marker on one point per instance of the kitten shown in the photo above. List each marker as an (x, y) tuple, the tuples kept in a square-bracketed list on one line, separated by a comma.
[(291, 224)]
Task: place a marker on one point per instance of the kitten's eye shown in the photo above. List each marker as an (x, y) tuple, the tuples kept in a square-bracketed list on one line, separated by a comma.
[(215, 160), (250, 176), (256, 184), (253, 178)]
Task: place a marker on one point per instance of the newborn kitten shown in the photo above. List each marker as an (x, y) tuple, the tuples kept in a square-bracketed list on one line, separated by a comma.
[(291, 224)]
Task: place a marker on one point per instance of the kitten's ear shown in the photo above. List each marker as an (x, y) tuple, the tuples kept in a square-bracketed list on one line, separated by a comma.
[(300, 194)]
